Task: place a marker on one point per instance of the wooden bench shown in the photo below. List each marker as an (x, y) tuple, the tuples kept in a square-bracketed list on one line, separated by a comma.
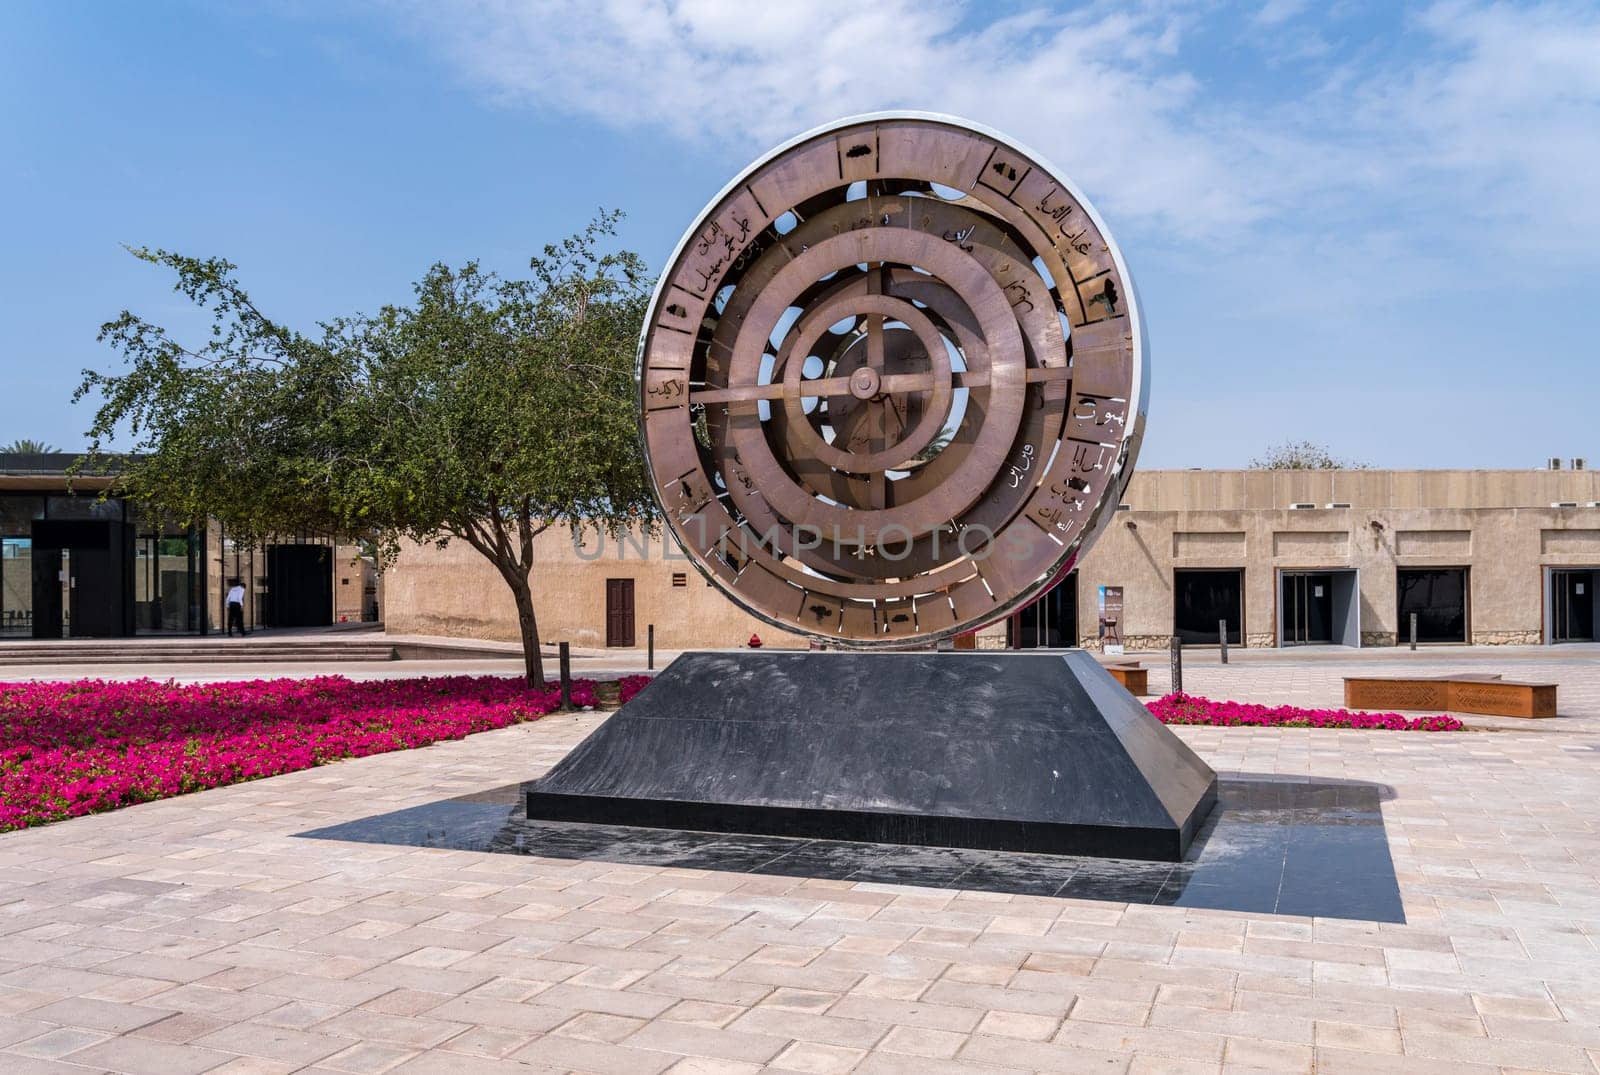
[(1475, 692), (1131, 676)]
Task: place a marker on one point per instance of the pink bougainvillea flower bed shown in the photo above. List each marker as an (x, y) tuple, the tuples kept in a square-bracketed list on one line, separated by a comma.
[(1192, 709), (77, 748)]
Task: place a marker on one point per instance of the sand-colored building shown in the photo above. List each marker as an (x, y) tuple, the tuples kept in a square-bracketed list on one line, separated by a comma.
[(1278, 557), (74, 565)]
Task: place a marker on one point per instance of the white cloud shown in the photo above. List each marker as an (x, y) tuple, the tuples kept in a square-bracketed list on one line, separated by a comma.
[(1482, 136), (1096, 92), (1274, 12)]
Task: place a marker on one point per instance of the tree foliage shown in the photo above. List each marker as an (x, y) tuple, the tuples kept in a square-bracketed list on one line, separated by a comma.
[(486, 410), (1302, 455)]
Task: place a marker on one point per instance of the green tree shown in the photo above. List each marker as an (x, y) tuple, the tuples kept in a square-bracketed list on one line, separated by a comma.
[(485, 410), (1302, 455), (24, 446)]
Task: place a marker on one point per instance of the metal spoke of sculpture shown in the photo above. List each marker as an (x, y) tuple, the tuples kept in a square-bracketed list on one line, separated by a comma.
[(892, 381)]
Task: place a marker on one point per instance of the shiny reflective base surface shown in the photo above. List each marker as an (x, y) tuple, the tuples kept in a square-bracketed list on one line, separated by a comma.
[(1312, 848)]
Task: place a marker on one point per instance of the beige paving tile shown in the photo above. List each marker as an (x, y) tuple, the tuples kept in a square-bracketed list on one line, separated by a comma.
[(274, 1043), (939, 1044), (702, 1065), (57, 1044), (819, 1059), (137, 1056), (368, 1057), (1242, 1052), (99, 1014), (1370, 1039), (1006, 1024), (556, 1051)]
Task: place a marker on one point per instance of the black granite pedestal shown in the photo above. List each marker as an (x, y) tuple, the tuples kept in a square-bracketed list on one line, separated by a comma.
[(1036, 752)]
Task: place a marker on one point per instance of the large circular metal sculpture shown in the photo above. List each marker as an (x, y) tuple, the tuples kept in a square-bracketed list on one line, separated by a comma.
[(892, 382)]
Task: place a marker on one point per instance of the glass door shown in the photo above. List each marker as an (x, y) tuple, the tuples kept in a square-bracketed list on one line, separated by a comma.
[(1307, 608), (66, 582), (1051, 622), (1572, 595), (166, 582)]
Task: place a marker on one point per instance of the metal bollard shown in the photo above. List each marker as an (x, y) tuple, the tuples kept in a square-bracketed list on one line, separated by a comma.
[(1177, 665), (1222, 638), (1413, 630), (650, 647), (565, 650)]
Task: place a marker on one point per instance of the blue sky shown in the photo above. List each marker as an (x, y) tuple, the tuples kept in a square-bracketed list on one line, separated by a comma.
[(1376, 226)]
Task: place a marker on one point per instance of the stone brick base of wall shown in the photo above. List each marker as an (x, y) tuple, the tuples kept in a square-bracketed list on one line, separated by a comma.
[(1146, 642), (1260, 641), (1506, 638), (1379, 638)]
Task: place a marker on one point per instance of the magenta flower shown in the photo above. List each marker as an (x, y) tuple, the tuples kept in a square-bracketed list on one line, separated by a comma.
[(68, 749), (1192, 709)]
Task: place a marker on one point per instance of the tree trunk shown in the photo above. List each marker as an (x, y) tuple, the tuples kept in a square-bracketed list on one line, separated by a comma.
[(528, 627), (515, 571)]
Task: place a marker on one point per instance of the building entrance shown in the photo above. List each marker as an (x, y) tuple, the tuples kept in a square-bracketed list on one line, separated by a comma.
[(1051, 622), (1203, 599), (1318, 608), (1307, 608), (1572, 604), (1438, 598), (300, 585), (81, 582)]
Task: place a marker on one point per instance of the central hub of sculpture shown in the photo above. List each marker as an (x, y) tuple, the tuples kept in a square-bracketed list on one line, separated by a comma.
[(865, 382), (891, 385)]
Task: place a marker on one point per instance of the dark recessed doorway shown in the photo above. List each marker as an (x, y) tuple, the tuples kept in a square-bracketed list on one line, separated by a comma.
[(300, 585), (1437, 596), (1203, 599)]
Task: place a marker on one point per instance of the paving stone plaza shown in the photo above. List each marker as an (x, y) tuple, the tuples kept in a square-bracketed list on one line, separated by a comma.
[(203, 934)]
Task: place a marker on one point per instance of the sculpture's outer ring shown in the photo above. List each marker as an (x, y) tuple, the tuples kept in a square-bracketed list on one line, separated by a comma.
[(1121, 468)]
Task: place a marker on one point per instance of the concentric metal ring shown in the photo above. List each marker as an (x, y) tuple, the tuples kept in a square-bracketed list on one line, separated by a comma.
[(892, 381)]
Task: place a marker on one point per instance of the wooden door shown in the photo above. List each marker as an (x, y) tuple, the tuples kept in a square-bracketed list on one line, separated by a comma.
[(619, 612)]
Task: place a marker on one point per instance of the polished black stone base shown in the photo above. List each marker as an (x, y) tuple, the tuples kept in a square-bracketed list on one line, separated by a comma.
[(1273, 845), (1040, 752)]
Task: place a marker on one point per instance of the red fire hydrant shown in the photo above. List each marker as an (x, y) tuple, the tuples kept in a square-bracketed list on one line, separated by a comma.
[(755, 642)]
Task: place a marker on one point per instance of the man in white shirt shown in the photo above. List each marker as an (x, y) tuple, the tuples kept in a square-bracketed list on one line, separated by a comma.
[(236, 607)]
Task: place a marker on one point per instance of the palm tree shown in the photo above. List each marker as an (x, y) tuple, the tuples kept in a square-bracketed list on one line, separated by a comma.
[(24, 446)]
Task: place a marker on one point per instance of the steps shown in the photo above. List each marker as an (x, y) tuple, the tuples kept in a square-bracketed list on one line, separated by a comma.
[(24, 653)]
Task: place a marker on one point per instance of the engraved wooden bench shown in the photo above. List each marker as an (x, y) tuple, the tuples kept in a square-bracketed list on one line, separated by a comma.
[(1131, 676), (1475, 692)]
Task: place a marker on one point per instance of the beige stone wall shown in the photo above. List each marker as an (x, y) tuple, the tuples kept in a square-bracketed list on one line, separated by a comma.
[(454, 591), (1498, 524), (352, 574)]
